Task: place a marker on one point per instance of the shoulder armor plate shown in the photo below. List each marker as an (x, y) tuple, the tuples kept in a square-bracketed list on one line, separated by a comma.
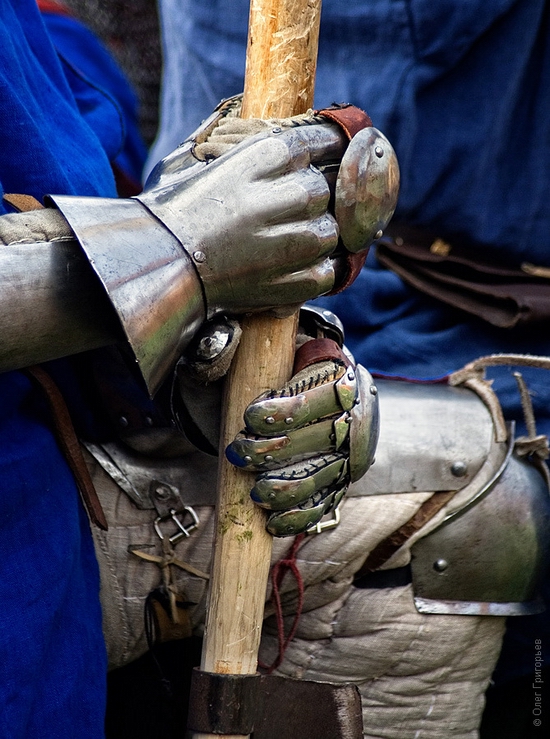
[(432, 437)]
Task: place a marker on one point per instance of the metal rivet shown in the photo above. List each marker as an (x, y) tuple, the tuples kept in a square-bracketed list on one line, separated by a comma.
[(162, 493), (148, 421), (348, 419), (277, 129), (459, 469), (379, 234), (373, 390), (440, 565), (269, 419), (327, 313), (247, 459), (268, 458), (199, 256), (399, 241), (351, 375), (123, 421), (379, 151), (272, 495), (289, 420)]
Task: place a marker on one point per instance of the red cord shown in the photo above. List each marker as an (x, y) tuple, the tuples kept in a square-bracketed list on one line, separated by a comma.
[(278, 572)]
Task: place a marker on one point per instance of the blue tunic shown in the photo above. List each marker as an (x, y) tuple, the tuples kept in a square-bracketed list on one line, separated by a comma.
[(59, 133)]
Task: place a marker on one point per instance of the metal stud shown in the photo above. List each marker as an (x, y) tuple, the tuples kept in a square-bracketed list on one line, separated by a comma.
[(269, 419), (379, 151), (289, 420), (199, 256), (268, 458), (123, 421), (247, 459), (459, 469), (373, 390), (162, 492), (277, 129), (440, 565), (379, 234)]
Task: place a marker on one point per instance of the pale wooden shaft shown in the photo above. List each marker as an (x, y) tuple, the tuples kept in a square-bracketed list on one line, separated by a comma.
[(281, 57), (279, 82)]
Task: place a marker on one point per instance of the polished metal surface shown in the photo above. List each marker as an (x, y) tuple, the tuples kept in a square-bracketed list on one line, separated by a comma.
[(425, 429), (193, 475), (51, 303), (308, 441), (296, 520), (364, 426), (293, 485), (366, 189), (320, 323), (307, 398), (496, 550), (253, 221), (147, 276)]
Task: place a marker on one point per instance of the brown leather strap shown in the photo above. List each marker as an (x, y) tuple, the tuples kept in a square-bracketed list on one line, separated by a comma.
[(353, 264), (318, 350), (22, 203), (350, 119), (395, 541), (69, 444)]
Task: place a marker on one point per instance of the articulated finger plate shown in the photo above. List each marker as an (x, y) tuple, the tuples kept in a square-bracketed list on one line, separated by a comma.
[(260, 453), (293, 485), (303, 518), (309, 441), (309, 397)]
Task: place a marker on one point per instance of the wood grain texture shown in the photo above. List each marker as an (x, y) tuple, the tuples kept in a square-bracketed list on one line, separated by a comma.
[(279, 82)]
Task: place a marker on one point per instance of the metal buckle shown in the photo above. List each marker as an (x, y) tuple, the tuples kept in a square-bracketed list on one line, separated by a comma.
[(183, 531), (325, 524)]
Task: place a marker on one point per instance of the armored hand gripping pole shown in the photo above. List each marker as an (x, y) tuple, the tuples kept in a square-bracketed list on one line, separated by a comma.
[(279, 82)]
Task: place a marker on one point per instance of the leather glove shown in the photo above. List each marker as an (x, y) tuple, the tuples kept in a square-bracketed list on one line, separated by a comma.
[(310, 439)]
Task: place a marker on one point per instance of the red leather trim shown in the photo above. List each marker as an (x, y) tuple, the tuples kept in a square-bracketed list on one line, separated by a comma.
[(350, 118), (354, 264), (318, 350)]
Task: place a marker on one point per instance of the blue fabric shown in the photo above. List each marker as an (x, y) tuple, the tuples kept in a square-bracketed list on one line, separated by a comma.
[(57, 137), (102, 93)]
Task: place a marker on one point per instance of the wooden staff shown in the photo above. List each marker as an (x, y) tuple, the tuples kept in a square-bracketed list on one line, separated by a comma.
[(279, 81)]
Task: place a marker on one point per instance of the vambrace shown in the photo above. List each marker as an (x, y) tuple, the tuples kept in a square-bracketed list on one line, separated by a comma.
[(51, 302)]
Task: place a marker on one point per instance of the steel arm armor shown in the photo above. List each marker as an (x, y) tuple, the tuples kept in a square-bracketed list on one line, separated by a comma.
[(248, 231)]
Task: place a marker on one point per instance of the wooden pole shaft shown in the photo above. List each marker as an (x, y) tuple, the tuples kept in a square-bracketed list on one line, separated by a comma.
[(279, 82)]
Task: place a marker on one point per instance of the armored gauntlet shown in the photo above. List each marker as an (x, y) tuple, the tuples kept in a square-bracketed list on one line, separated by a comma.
[(249, 230), (310, 439)]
